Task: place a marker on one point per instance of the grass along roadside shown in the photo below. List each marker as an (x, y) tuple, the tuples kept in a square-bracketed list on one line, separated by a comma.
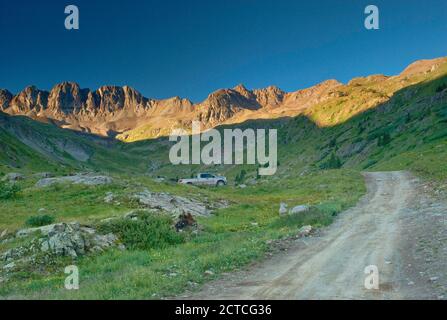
[(232, 238), (427, 161)]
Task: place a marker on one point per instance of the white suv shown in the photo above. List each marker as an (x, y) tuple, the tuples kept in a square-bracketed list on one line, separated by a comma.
[(205, 179)]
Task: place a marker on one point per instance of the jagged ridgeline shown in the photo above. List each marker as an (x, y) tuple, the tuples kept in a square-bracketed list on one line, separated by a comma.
[(378, 121)]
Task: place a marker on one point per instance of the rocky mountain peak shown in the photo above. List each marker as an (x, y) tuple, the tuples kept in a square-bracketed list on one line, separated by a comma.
[(237, 98), (110, 90), (330, 83), (271, 96), (177, 101), (243, 91), (111, 98), (5, 98), (274, 89), (423, 66), (240, 88), (30, 99), (67, 97)]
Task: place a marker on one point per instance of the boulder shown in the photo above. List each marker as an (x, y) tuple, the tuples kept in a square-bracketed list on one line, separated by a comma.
[(62, 239), (170, 203), (12, 254), (9, 267), (109, 197), (132, 215), (13, 176), (29, 231), (3, 233), (282, 209), (305, 231), (76, 179), (299, 209), (434, 279), (42, 175)]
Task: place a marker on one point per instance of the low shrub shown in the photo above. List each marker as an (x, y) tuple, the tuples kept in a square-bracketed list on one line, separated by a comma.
[(8, 190), (148, 232), (330, 208), (40, 220), (240, 178), (333, 162), (384, 140)]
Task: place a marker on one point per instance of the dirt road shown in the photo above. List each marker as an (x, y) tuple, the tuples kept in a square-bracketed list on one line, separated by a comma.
[(395, 227)]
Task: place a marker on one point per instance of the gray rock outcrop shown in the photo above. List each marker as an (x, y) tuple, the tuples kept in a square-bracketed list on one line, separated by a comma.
[(88, 180), (170, 203), (282, 209), (61, 239), (13, 176), (299, 209)]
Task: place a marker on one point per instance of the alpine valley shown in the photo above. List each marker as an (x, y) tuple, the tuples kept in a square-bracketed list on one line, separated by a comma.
[(86, 180)]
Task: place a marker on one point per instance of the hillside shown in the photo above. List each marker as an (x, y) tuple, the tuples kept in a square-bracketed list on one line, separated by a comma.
[(32, 146), (406, 113), (368, 124)]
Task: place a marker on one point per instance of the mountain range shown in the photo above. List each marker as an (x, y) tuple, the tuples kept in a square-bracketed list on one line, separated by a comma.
[(373, 122), (125, 114)]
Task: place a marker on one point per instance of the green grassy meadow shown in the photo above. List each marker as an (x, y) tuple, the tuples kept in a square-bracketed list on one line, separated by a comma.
[(231, 238)]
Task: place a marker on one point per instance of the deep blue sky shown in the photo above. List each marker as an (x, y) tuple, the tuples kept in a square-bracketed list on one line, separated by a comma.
[(190, 48)]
